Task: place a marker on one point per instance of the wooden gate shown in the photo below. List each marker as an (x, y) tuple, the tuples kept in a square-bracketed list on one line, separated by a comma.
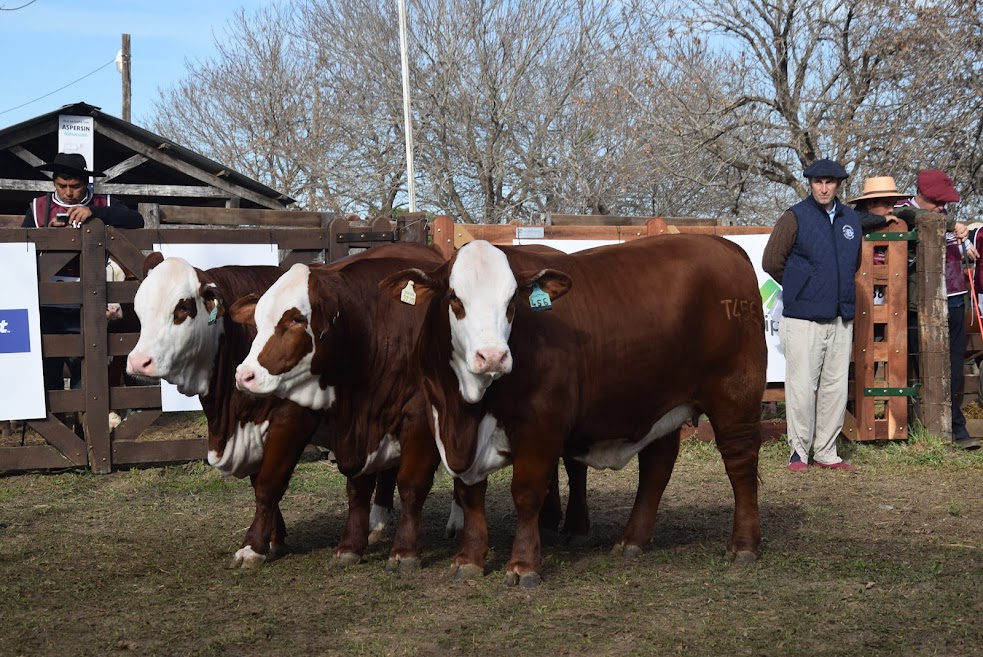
[(100, 448)]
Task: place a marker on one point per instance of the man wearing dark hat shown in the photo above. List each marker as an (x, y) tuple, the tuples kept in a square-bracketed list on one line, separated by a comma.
[(71, 204), (814, 253), (935, 192)]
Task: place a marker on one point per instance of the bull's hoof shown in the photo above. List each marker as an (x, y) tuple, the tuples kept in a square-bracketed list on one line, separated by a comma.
[(626, 551), (377, 535), (345, 559), (529, 580), (466, 571), (578, 541), (402, 564), (247, 558), (277, 550), (742, 557)]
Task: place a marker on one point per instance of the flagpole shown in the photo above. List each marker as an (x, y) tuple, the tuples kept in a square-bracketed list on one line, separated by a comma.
[(407, 117)]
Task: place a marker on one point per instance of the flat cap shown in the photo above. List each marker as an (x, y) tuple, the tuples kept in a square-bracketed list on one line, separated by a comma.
[(934, 185), (825, 169)]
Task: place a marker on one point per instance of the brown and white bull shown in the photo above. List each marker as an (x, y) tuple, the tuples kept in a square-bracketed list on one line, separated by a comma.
[(188, 339), (329, 340), (648, 334)]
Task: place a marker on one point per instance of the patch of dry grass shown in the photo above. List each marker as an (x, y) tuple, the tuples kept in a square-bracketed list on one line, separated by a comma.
[(885, 562)]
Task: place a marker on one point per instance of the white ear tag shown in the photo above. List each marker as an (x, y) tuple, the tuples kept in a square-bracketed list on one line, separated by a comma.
[(408, 295), (539, 300)]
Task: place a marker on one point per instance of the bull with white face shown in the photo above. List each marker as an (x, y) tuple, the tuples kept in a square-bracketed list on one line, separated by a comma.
[(653, 333), (188, 339), (326, 338)]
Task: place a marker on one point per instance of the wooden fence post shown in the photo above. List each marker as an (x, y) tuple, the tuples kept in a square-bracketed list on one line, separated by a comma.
[(933, 327), (95, 359), (443, 235)]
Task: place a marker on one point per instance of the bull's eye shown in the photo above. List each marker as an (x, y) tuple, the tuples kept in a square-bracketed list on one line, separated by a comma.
[(510, 311), (457, 306), (299, 320), (184, 309)]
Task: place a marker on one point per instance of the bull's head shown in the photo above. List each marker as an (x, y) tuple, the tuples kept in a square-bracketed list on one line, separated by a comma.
[(178, 308), (480, 291), (295, 322)]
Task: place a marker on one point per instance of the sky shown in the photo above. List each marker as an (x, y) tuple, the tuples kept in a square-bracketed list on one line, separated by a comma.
[(163, 35)]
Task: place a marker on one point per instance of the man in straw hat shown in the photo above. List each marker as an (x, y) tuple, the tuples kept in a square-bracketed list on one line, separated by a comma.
[(935, 192), (875, 206), (71, 204), (814, 252)]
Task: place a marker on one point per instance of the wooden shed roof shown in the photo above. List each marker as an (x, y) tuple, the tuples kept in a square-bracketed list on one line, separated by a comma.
[(141, 166)]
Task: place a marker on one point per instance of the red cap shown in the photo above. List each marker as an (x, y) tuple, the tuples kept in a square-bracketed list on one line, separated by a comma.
[(934, 185)]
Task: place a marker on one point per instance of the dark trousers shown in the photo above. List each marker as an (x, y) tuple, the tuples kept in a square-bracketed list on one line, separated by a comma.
[(957, 355), (61, 321)]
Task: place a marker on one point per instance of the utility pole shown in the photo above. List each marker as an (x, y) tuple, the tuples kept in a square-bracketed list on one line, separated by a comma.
[(407, 114), (125, 71)]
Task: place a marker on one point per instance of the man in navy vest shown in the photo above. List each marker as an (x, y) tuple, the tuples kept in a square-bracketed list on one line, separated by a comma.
[(72, 204), (814, 253)]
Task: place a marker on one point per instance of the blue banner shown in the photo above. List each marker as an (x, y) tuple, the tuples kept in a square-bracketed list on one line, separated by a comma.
[(15, 332)]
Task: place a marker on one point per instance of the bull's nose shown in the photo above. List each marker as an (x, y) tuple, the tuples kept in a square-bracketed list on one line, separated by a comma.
[(244, 377), (139, 364), (492, 360)]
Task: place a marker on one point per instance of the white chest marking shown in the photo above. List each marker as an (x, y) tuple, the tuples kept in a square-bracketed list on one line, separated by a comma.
[(386, 456), (243, 451), (492, 453), (615, 454)]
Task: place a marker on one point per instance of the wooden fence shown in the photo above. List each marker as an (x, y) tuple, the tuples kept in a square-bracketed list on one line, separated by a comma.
[(879, 410), (102, 449)]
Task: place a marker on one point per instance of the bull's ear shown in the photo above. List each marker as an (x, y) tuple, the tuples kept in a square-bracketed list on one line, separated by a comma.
[(243, 311), (214, 302), (153, 259), (551, 281), (413, 286)]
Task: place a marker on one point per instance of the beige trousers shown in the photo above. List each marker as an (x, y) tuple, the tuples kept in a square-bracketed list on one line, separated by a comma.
[(817, 368)]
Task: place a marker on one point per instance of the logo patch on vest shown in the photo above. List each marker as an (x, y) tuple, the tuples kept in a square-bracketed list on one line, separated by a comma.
[(848, 232)]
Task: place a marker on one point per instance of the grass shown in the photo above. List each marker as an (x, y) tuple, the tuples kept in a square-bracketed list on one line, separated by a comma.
[(884, 562)]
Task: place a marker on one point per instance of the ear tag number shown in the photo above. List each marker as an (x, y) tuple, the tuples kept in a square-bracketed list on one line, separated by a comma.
[(213, 316), (539, 300), (408, 295)]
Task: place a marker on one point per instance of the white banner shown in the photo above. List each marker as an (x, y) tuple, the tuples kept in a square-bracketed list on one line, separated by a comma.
[(76, 135), (21, 375), (207, 256)]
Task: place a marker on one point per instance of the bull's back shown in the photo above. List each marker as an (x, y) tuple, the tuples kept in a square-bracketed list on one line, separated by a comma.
[(648, 324)]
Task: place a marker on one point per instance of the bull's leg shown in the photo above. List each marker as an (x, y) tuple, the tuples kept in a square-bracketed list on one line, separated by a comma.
[(382, 508), (417, 464), (355, 536), (739, 445), (469, 562), (655, 464), (576, 524), (530, 485), (266, 535)]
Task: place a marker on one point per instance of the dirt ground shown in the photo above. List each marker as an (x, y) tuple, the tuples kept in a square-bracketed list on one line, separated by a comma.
[(884, 562)]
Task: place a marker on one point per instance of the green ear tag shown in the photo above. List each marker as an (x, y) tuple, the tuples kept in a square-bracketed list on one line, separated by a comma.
[(539, 300), (213, 316)]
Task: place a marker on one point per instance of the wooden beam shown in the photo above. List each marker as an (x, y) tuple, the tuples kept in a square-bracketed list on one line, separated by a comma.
[(132, 189), (179, 214), (28, 157), (124, 166), (32, 457), (184, 167), (28, 134)]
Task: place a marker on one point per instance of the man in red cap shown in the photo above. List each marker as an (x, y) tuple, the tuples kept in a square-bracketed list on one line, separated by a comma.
[(935, 191)]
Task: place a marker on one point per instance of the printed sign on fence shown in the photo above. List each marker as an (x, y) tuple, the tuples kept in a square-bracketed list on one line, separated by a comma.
[(21, 377)]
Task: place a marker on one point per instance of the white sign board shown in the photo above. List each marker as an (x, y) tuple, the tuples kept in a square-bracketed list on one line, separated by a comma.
[(21, 375), (207, 256), (771, 292), (76, 135)]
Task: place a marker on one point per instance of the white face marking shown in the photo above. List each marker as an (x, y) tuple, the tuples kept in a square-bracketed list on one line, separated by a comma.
[(243, 452), (615, 454), (297, 384), (483, 281), (386, 456), (184, 353), (492, 453)]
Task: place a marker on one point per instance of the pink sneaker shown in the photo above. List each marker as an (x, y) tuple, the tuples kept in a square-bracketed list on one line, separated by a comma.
[(798, 466), (842, 465)]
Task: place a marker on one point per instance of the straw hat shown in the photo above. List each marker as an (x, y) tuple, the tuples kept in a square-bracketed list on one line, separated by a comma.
[(879, 187)]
